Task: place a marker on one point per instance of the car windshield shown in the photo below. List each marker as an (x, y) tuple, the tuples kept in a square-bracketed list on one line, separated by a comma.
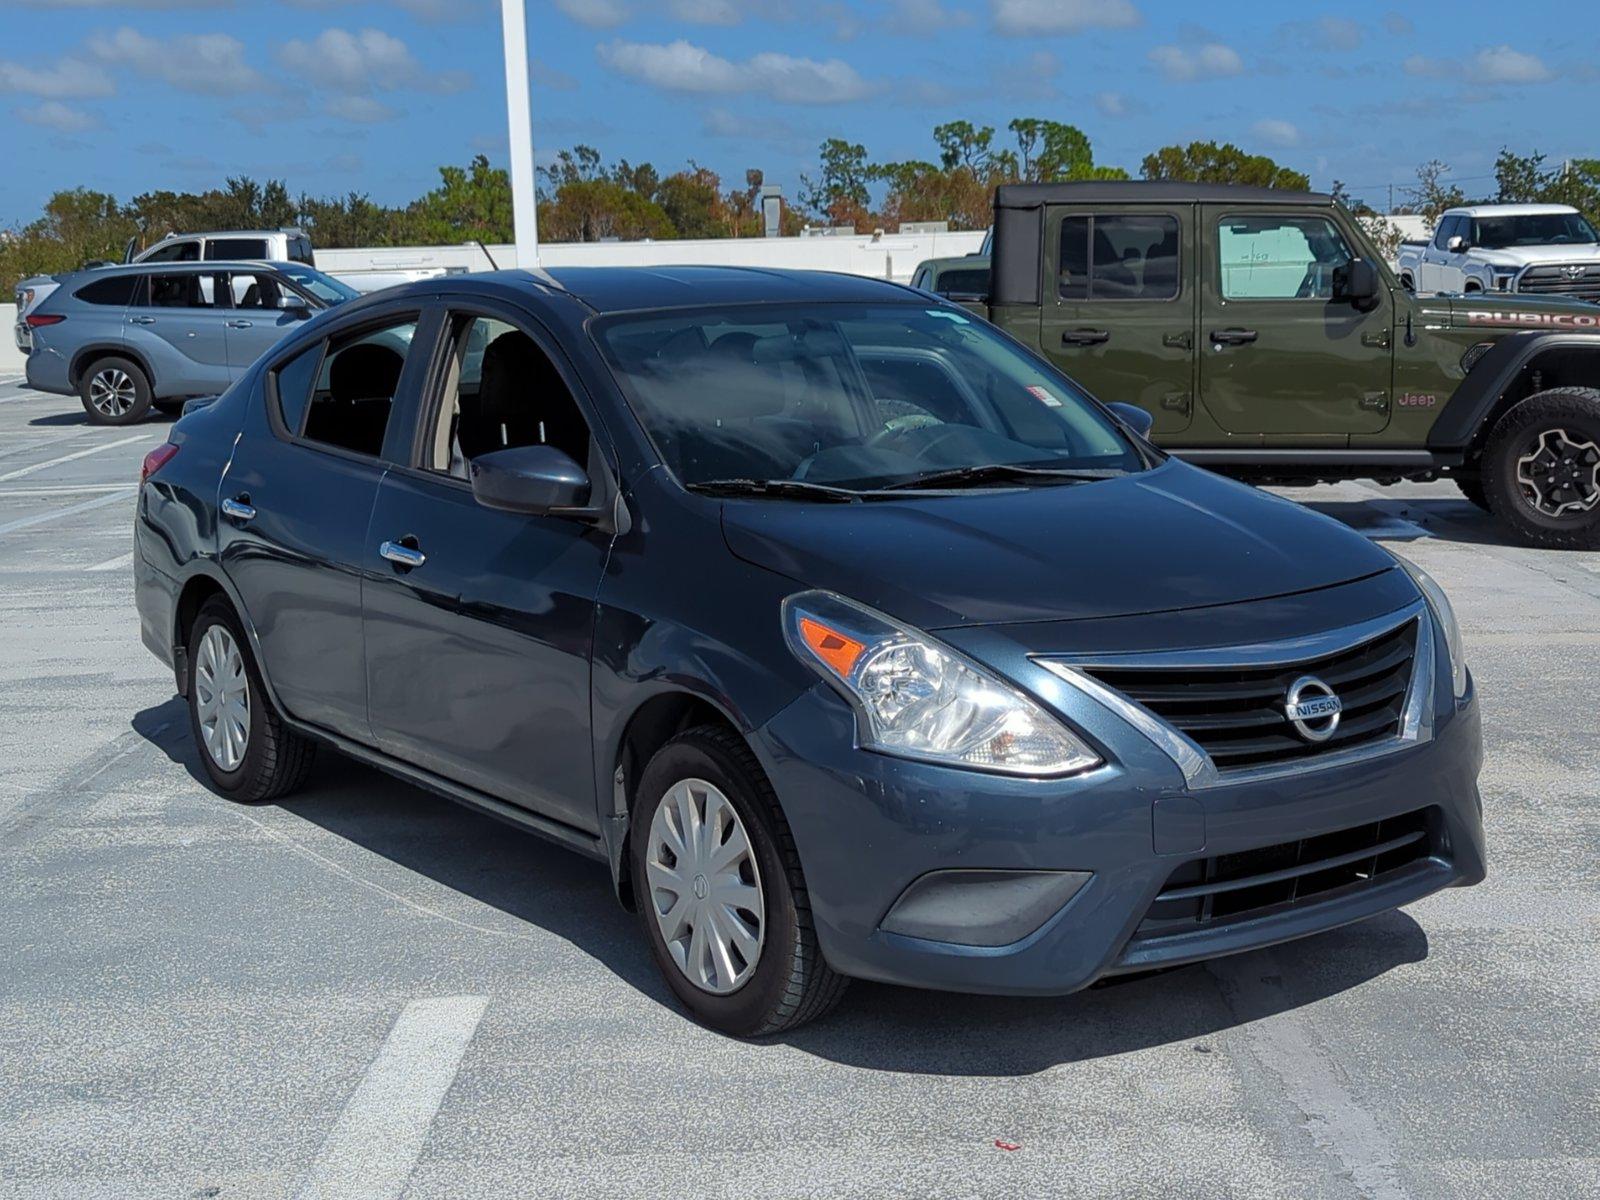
[(324, 287), (857, 397), (1532, 229)]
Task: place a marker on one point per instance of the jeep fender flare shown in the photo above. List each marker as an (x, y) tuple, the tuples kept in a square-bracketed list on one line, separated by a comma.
[(1479, 399)]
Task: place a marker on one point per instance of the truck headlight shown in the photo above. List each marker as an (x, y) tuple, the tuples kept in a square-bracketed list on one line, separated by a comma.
[(1503, 277), (1445, 614), (915, 698)]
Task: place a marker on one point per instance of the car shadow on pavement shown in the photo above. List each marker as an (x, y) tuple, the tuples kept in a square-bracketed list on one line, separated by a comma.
[(76, 417), (876, 1026), (1411, 520)]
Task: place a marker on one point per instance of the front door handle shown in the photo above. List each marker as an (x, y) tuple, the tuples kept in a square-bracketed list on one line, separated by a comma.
[(1232, 337), (402, 555), (240, 324), (239, 508), (141, 320), (1085, 337)]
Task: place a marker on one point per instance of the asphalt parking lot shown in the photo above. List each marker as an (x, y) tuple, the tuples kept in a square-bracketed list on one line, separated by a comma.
[(366, 991)]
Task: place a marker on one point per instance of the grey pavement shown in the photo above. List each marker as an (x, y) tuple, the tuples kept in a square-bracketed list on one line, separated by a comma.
[(367, 991)]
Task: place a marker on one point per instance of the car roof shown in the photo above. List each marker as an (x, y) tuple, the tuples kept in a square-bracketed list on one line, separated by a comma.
[(1509, 210), (624, 289), (207, 265), (1142, 191), (223, 233)]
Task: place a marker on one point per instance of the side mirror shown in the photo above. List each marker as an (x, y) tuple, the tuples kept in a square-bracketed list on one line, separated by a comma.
[(1357, 283), (535, 480), (1135, 418), (1457, 244)]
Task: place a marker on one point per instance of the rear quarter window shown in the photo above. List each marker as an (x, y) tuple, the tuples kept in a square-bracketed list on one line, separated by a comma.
[(115, 289), (292, 385)]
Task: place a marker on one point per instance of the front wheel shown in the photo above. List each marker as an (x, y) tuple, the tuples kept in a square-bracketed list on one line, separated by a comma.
[(114, 391), (720, 892), (1541, 471)]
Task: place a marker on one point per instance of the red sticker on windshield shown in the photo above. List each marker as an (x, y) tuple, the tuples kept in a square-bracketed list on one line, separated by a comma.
[(1044, 396)]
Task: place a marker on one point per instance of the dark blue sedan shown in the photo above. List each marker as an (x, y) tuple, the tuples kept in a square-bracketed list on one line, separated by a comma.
[(854, 638)]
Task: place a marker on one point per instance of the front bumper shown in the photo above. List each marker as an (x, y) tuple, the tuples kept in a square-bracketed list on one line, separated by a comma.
[(868, 826)]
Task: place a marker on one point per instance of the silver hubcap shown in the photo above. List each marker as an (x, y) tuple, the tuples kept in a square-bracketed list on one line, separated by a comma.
[(705, 887), (112, 392), (1559, 474), (222, 698)]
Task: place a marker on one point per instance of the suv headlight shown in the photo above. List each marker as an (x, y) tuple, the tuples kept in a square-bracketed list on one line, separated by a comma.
[(915, 698), (1445, 614), (1503, 277)]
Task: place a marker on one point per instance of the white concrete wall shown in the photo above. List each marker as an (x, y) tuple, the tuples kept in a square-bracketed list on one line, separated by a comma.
[(11, 359)]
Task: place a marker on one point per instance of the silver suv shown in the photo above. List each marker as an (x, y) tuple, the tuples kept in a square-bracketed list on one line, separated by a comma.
[(127, 338)]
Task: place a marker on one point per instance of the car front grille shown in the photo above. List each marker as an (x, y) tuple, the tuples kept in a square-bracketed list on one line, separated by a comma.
[(1578, 280), (1253, 883), (1236, 714)]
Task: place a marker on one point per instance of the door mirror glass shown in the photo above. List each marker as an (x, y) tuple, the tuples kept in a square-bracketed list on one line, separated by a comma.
[(1457, 244), (1134, 417), (537, 480), (1357, 283)]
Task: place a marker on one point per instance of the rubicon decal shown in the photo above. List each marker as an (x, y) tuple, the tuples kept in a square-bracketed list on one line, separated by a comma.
[(1535, 320)]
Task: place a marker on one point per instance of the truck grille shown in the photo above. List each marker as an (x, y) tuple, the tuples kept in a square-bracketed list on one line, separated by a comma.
[(1236, 714), (1578, 280), (1254, 883)]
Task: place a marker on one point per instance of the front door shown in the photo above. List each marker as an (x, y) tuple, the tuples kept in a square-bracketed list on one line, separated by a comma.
[(478, 623), (1118, 314), (257, 313), (1279, 354)]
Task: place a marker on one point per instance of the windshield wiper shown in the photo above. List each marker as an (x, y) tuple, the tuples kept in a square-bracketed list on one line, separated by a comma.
[(792, 489), (998, 473)]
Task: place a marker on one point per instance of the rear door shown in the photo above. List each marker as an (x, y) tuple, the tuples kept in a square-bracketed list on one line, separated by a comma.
[(258, 311), (1119, 305), (179, 331), (1280, 356)]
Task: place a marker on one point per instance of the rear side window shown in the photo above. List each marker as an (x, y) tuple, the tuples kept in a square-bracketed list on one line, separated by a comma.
[(232, 248), (355, 388), (179, 289), (292, 384), (1118, 256), (114, 289), (300, 251), (964, 282), (177, 252)]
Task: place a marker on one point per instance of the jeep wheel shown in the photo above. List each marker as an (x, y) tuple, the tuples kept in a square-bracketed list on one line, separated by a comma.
[(1541, 472), (1472, 489), (114, 392)]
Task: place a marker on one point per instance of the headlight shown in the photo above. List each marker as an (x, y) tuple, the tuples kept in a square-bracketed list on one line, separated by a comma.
[(915, 698), (1503, 277), (1446, 615)]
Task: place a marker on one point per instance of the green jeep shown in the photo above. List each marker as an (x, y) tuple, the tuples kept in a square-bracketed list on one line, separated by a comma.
[(963, 280), (1268, 339)]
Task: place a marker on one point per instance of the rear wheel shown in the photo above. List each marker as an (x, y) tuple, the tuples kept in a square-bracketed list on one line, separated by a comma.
[(114, 391), (1541, 471), (721, 896), (1472, 488), (247, 751)]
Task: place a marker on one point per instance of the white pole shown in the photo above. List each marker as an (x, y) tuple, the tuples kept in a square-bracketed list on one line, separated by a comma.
[(519, 124)]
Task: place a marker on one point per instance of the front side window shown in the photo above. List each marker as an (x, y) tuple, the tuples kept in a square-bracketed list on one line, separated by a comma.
[(501, 391), (1279, 257), (1448, 228), (259, 291), (355, 388), (228, 249), (858, 397), (1118, 256)]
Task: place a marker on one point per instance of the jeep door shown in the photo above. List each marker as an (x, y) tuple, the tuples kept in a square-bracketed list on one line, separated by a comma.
[(1118, 310), (177, 329), (1280, 356)]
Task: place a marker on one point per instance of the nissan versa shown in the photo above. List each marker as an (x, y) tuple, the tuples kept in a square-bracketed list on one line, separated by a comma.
[(852, 636)]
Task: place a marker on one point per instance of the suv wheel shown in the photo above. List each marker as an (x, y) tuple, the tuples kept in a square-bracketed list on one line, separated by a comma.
[(114, 392), (247, 751), (1541, 472), (720, 892), (1472, 488)]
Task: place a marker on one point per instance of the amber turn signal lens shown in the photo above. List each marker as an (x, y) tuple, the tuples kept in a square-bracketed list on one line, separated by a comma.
[(832, 647)]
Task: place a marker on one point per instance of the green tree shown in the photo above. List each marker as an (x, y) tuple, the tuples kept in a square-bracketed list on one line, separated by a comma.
[(1433, 195), (470, 203), (1207, 162), (840, 193)]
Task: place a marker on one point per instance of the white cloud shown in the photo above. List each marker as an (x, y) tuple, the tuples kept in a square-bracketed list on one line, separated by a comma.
[(125, 3), (425, 10), (1324, 33), (1492, 65), (683, 67), (1208, 60), (208, 64), (1277, 132), (1021, 18), (1118, 104), (70, 78), (62, 118), (365, 60), (365, 110), (923, 18), (596, 14), (707, 12), (1398, 24)]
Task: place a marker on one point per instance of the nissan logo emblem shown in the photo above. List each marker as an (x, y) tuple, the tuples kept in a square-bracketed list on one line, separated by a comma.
[(1313, 708)]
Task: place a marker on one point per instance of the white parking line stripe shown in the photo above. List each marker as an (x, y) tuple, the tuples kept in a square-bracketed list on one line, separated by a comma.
[(62, 489), (373, 1147), (113, 564), (56, 513), (66, 458)]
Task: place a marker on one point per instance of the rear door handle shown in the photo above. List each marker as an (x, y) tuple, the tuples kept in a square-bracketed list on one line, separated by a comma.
[(240, 324), (239, 508), (402, 555), (1085, 337), (1232, 337)]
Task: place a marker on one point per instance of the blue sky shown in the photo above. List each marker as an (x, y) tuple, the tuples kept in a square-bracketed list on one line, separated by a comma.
[(373, 95)]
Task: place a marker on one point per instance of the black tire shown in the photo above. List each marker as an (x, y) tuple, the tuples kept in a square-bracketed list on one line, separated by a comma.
[(1472, 488), (1575, 412), (171, 405), (109, 373), (791, 983), (276, 760)]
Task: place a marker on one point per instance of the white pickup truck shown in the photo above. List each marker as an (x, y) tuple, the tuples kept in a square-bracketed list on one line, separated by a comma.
[(1542, 249)]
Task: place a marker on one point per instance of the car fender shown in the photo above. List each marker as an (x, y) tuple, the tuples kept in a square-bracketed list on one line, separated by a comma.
[(1470, 408)]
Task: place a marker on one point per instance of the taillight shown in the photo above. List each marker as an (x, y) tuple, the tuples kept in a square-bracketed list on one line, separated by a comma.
[(36, 320), (156, 459)]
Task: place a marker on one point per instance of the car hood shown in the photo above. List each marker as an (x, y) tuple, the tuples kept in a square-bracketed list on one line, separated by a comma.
[(1164, 540), (1516, 256)]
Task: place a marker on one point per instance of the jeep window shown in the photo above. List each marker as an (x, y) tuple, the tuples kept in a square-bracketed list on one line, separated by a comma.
[(232, 249), (1532, 229), (116, 289), (1118, 257), (1279, 257)]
